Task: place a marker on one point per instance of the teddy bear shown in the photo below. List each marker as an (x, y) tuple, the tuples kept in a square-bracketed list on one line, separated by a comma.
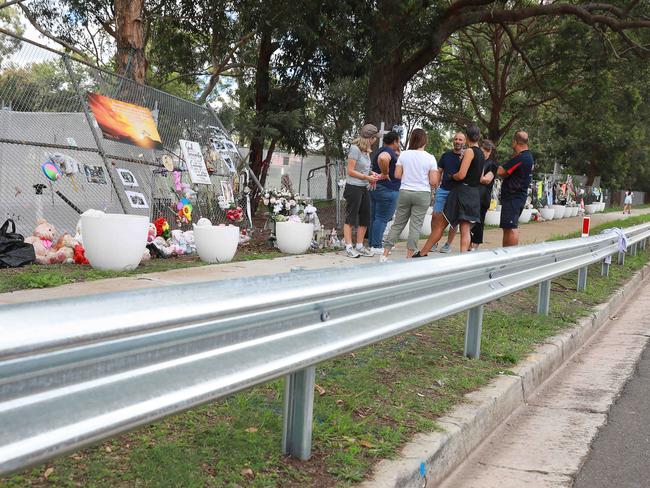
[(42, 239), (67, 244)]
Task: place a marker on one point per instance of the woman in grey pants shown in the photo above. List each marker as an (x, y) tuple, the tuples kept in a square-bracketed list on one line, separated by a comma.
[(418, 171)]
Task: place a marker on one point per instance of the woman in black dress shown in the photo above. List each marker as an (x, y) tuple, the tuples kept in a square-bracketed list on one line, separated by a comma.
[(485, 190)]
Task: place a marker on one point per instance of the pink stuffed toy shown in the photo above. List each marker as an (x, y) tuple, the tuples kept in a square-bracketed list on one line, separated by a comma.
[(43, 239)]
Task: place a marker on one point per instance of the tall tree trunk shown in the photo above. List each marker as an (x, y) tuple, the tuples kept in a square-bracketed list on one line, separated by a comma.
[(262, 94), (328, 164), (129, 36), (385, 95)]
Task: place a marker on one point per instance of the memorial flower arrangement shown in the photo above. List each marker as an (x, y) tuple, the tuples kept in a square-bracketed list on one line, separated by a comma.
[(235, 213), (284, 206)]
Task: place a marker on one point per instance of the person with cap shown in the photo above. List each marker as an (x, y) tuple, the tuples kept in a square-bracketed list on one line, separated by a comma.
[(517, 175), (356, 194)]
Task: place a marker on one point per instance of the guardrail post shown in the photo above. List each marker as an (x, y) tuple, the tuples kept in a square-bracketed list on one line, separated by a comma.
[(582, 278), (621, 258), (298, 412), (473, 332), (633, 249), (544, 297), (604, 271)]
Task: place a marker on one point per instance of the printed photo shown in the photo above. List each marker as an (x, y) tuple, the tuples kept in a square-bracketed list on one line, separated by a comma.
[(226, 191), (137, 200), (95, 174), (229, 162), (128, 178)]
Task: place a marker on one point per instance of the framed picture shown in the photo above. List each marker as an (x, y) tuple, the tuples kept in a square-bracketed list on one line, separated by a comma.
[(226, 191), (136, 199), (128, 178), (95, 174), (229, 162), (194, 162)]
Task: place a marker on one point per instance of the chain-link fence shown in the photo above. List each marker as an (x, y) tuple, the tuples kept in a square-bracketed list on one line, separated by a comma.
[(45, 117)]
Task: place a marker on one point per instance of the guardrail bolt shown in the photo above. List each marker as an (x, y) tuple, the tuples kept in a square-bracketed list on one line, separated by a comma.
[(325, 316)]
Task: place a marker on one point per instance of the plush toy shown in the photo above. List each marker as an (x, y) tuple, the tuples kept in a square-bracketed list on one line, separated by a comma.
[(189, 239), (244, 238), (178, 243), (66, 244), (161, 245), (79, 256), (152, 233), (42, 239)]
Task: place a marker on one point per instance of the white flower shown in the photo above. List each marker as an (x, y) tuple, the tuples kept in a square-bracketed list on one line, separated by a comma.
[(292, 203), (266, 201), (272, 200), (277, 208)]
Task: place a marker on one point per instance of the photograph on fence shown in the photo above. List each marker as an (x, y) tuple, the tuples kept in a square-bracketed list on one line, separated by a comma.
[(125, 122)]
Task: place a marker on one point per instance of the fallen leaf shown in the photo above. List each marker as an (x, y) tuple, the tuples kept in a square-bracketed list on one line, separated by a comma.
[(339, 402), (48, 473), (251, 429), (420, 395), (367, 444), (108, 449), (76, 457), (417, 334), (247, 472), (321, 391)]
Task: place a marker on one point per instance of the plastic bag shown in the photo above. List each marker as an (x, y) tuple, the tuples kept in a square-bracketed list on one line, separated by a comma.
[(14, 251)]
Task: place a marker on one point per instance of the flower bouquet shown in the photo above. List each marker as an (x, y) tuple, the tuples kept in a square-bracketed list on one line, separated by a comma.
[(235, 214)]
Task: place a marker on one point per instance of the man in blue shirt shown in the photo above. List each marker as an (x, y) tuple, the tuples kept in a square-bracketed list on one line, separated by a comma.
[(517, 175)]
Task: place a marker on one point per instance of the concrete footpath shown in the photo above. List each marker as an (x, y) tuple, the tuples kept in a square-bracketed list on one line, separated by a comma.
[(530, 233), (545, 442)]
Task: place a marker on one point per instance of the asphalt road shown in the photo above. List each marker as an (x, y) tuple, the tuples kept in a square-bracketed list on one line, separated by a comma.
[(620, 455)]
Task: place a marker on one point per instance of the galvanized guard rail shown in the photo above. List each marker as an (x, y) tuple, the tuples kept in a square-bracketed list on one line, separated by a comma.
[(76, 371)]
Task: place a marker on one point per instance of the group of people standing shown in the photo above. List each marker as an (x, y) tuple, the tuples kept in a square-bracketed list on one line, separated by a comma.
[(400, 183)]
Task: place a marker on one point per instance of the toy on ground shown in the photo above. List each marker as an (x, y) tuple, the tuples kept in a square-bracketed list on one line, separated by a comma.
[(67, 244), (79, 256), (43, 239)]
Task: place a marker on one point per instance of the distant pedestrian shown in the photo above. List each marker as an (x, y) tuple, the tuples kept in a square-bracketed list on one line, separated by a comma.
[(418, 171), (447, 167), (485, 190), (383, 198), (517, 175), (627, 209), (357, 198)]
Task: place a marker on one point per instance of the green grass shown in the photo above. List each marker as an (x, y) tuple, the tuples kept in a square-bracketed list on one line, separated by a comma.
[(620, 209), (368, 405), (597, 229)]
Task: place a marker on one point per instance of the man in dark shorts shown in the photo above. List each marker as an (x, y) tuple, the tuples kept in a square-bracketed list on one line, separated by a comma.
[(517, 175)]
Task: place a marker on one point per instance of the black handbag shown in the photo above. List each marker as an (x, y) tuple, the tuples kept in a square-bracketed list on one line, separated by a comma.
[(14, 251)]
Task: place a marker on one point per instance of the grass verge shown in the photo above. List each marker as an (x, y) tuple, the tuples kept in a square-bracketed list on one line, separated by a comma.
[(368, 404)]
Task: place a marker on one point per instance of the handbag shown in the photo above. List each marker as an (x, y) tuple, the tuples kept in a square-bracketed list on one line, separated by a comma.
[(14, 251)]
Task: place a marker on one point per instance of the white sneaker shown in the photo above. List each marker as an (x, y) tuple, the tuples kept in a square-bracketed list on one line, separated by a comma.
[(377, 250), (384, 259), (351, 252), (365, 252), (445, 249)]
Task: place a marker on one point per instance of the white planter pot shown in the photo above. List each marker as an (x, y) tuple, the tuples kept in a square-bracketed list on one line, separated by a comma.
[(424, 231), (216, 243), (493, 217), (547, 213), (525, 216), (294, 237), (560, 211), (114, 242), (574, 211), (601, 207), (592, 208)]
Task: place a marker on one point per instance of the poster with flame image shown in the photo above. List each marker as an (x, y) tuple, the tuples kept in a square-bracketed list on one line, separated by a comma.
[(125, 122)]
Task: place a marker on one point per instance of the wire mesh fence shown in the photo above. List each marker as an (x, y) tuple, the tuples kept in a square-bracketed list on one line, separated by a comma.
[(45, 117)]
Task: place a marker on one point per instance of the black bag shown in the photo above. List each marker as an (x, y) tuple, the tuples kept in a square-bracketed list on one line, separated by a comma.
[(14, 251)]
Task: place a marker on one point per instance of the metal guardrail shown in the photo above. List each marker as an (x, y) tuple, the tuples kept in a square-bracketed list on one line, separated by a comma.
[(79, 370)]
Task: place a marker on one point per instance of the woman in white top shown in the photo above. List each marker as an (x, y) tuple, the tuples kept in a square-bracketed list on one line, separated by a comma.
[(418, 171), (627, 209)]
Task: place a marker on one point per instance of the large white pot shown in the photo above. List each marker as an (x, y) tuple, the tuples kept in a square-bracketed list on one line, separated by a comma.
[(424, 231), (493, 217), (114, 242), (574, 211), (525, 216), (601, 207), (547, 213), (592, 208), (560, 211), (294, 237), (216, 243)]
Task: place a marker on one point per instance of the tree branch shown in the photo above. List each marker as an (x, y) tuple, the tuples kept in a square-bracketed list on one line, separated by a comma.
[(10, 3)]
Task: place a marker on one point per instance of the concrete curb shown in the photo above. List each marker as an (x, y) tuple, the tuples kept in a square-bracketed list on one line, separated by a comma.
[(430, 458)]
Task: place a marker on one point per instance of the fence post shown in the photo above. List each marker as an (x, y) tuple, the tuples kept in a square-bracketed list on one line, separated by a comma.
[(604, 270), (633, 249), (298, 412), (473, 332), (544, 297), (621, 258), (121, 196), (582, 278)]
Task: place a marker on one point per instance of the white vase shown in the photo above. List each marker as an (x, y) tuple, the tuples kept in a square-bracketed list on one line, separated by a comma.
[(424, 231), (525, 216), (216, 243), (574, 211), (602, 207), (590, 209), (294, 237), (114, 242), (560, 211), (493, 217), (547, 213)]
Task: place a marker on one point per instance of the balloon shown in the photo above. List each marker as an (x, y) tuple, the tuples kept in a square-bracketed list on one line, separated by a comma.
[(51, 171)]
